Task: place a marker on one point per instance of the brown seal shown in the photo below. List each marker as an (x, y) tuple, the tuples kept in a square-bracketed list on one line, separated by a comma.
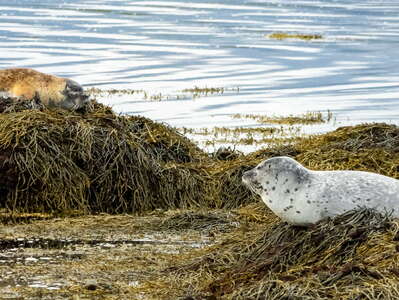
[(50, 90)]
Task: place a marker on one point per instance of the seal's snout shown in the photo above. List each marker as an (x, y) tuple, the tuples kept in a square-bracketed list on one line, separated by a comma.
[(248, 176)]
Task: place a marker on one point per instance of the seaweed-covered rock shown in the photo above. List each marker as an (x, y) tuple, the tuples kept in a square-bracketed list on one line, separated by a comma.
[(93, 161)]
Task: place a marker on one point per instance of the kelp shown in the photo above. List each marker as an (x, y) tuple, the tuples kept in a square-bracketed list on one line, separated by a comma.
[(305, 37), (352, 256), (94, 161)]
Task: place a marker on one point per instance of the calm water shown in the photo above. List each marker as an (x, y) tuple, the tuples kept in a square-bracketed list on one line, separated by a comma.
[(167, 46)]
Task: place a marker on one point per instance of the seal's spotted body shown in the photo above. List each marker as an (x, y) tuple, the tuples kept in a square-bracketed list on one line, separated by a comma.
[(52, 91), (302, 197)]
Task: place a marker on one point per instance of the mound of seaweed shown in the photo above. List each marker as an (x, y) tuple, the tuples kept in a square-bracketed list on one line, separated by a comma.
[(353, 256), (367, 147), (55, 160)]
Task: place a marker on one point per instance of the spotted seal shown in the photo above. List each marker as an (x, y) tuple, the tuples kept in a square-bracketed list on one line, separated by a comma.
[(303, 197), (50, 90)]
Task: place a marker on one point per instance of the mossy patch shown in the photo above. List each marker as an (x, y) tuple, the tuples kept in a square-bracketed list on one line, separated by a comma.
[(198, 92), (368, 147), (197, 220)]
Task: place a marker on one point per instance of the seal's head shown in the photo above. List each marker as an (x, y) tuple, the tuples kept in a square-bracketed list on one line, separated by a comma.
[(74, 95), (272, 171), (281, 182)]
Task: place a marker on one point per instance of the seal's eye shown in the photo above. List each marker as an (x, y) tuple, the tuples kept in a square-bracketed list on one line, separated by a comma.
[(261, 167)]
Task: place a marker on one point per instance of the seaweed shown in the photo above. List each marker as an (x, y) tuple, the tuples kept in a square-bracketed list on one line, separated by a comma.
[(197, 220), (301, 36), (351, 256), (93, 161), (312, 117)]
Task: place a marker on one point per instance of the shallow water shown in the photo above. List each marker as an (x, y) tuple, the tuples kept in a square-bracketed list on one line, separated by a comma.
[(166, 46)]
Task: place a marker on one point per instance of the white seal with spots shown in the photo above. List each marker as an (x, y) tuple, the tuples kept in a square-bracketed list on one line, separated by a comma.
[(302, 197)]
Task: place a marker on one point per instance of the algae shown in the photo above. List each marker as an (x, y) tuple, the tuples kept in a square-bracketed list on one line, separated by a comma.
[(189, 93), (312, 117), (305, 37)]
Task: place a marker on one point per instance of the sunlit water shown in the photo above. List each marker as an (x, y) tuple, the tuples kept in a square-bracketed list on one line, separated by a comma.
[(166, 46)]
